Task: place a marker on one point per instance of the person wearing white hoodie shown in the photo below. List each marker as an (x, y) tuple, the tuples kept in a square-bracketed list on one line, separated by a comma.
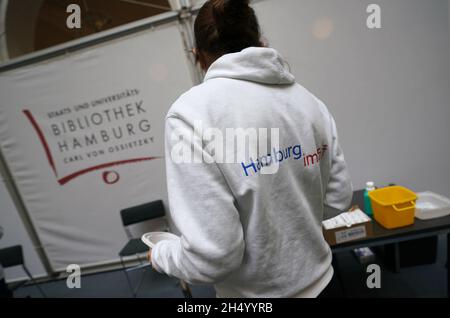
[(250, 233)]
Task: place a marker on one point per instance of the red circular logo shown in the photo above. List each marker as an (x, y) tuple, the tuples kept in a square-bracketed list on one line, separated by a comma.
[(111, 177)]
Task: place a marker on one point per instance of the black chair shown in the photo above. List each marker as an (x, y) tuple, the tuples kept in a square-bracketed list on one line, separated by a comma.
[(135, 247), (13, 256)]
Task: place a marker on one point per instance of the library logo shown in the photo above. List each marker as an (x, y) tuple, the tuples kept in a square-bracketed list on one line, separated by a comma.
[(99, 135)]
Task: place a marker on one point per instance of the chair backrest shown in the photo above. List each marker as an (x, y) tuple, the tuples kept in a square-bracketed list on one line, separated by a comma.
[(141, 213), (11, 256)]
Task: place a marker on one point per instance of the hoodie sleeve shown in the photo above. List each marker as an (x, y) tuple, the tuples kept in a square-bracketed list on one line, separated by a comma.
[(339, 192), (202, 208)]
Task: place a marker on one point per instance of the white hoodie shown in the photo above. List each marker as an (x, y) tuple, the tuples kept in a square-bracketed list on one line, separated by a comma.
[(254, 234)]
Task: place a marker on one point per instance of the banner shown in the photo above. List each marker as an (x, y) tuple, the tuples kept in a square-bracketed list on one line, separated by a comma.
[(83, 137)]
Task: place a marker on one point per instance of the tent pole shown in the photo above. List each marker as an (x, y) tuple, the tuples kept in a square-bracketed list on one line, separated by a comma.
[(3, 43)]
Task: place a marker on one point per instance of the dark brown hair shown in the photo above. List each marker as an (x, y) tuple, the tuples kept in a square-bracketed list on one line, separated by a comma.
[(226, 26)]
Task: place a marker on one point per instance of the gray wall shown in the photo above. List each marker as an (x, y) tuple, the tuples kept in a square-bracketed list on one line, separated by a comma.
[(388, 89)]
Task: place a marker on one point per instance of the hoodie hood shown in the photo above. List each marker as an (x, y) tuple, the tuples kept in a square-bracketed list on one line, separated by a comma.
[(255, 64)]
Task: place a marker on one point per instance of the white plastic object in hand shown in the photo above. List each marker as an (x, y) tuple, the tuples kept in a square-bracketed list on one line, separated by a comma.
[(152, 238)]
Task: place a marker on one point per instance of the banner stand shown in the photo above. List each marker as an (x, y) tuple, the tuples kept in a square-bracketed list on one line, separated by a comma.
[(185, 21)]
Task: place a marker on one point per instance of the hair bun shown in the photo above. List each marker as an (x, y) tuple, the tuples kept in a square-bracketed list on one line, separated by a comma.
[(221, 6), (226, 26), (229, 12)]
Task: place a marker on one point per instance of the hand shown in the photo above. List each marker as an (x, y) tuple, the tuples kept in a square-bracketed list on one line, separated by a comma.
[(149, 256)]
